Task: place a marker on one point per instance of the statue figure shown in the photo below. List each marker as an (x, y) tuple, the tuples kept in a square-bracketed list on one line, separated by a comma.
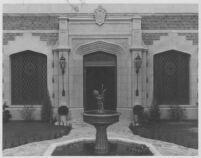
[(100, 99)]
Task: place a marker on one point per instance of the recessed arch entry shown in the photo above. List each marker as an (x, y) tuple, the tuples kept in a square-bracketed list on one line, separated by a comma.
[(100, 71), (122, 71)]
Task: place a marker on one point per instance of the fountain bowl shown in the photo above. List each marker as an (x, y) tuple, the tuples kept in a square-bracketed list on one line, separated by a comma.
[(107, 117)]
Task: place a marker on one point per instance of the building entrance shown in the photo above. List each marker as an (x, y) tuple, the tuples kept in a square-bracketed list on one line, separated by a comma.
[(100, 71)]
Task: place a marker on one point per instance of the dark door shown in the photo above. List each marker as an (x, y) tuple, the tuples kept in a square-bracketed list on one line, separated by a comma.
[(100, 69), (95, 78)]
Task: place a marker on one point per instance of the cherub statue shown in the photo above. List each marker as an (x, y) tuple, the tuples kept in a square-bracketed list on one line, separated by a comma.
[(100, 98)]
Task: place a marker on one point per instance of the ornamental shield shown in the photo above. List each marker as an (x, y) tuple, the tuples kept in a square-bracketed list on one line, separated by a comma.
[(99, 15)]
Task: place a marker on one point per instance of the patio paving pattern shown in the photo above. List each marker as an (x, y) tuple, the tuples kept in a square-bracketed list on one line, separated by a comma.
[(81, 129)]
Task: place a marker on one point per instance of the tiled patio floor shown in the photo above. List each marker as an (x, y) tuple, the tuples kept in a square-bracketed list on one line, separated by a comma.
[(81, 129)]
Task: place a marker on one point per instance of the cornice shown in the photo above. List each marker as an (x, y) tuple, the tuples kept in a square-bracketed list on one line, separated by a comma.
[(80, 15)]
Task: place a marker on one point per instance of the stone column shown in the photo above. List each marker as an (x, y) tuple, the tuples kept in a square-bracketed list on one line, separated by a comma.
[(62, 49), (137, 48)]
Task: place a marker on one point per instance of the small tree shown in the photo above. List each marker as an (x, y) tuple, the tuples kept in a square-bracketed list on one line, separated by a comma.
[(176, 113), (6, 113), (155, 111), (27, 112), (46, 111)]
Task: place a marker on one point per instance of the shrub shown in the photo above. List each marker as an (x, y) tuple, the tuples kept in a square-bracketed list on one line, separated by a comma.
[(154, 111), (27, 112), (63, 110), (145, 117), (138, 110), (176, 113), (46, 111), (6, 113)]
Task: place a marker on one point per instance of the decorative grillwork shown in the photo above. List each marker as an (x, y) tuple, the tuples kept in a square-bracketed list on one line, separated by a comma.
[(171, 77), (29, 78)]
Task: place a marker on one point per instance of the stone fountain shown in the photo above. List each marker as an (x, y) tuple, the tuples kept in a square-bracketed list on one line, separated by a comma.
[(101, 119)]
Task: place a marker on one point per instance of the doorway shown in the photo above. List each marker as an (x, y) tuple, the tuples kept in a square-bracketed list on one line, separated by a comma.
[(100, 70)]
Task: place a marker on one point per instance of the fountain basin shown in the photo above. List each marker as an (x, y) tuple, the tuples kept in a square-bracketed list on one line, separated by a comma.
[(108, 117), (81, 147)]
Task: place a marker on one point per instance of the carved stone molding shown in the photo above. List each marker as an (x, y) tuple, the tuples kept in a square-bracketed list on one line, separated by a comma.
[(123, 43), (99, 46)]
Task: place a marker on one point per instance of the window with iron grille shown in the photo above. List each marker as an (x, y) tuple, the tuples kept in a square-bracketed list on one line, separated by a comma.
[(28, 78), (171, 77)]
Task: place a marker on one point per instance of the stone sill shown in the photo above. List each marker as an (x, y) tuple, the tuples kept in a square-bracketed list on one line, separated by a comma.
[(21, 106)]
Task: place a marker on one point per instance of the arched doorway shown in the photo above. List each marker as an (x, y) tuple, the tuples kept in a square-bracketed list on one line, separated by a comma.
[(28, 78), (171, 78), (100, 70)]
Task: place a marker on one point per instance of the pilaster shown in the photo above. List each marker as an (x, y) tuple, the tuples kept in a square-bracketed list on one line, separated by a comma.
[(62, 79), (138, 81)]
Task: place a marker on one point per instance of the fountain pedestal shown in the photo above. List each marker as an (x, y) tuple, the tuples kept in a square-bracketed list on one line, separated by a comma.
[(101, 144), (101, 121)]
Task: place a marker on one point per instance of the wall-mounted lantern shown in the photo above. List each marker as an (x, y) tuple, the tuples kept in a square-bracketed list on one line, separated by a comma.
[(138, 63), (63, 66)]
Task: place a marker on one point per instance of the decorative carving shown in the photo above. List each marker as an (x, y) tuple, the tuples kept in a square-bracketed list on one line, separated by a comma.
[(100, 15), (123, 43)]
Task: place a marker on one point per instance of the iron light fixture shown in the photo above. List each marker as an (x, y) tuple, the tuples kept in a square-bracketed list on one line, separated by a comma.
[(138, 63), (63, 66)]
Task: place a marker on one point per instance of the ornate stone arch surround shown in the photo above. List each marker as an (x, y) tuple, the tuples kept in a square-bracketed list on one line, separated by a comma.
[(23, 43), (175, 42), (122, 72)]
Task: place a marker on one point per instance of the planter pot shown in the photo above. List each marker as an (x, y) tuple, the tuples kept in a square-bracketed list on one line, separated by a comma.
[(63, 120)]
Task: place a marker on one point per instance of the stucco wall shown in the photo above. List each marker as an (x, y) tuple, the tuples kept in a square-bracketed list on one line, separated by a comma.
[(159, 32)]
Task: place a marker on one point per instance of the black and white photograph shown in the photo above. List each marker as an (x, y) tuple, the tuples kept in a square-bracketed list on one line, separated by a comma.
[(102, 78)]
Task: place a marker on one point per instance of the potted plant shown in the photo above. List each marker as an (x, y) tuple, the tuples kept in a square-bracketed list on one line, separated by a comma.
[(6, 113), (63, 112), (138, 113)]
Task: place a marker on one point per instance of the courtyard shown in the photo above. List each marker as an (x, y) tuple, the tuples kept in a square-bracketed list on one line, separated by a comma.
[(99, 64), (81, 130)]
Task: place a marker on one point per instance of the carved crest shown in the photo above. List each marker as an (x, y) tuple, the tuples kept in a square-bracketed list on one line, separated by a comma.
[(99, 15)]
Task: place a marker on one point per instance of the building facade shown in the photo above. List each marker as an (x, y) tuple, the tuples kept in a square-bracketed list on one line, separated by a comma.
[(102, 46)]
